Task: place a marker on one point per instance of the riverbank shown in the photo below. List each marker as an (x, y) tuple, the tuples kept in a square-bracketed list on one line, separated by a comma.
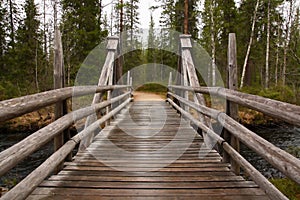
[(29, 122)]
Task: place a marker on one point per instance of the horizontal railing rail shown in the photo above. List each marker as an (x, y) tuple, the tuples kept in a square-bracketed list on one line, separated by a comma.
[(27, 185), (281, 110), (16, 107), (18, 152), (283, 161), (9, 109)]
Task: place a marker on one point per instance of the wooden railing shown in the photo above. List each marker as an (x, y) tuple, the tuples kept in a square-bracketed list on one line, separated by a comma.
[(10, 109), (18, 152), (179, 97)]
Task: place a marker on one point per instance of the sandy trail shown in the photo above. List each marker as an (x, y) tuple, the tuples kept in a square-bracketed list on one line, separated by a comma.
[(144, 96)]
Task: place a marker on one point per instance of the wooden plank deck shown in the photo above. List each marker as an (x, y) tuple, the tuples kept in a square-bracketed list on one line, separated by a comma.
[(147, 153)]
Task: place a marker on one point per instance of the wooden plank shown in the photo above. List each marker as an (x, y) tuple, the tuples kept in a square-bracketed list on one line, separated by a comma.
[(150, 192), (188, 177), (271, 190), (142, 185), (40, 173), (141, 197), (15, 154), (146, 179)]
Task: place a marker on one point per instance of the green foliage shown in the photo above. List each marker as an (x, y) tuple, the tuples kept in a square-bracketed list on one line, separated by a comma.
[(281, 93), (288, 187), (153, 87), (81, 32), (295, 151)]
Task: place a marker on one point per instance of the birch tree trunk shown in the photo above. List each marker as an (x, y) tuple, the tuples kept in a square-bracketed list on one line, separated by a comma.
[(277, 51), (286, 43), (249, 45), (268, 48), (213, 45)]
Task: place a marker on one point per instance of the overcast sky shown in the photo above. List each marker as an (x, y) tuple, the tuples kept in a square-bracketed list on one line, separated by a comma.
[(144, 12)]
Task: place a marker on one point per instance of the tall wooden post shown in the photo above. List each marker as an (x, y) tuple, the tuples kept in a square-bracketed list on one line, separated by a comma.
[(232, 83), (59, 82)]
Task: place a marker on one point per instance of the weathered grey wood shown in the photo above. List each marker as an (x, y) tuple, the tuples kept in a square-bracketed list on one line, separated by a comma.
[(185, 82), (232, 108), (16, 107), (186, 178), (103, 79), (15, 154), (270, 189), (27, 185), (59, 82), (283, 161), (281, 110), (187, 60), (110, 82), (164, 193)]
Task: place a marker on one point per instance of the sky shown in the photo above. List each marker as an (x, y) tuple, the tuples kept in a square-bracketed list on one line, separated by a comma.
[(144, 12)]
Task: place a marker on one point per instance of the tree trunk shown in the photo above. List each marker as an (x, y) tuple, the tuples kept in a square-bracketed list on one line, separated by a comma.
[(186, 16), (11, 19), (286, 43), (213, 45), (36, 68), (268, 48), (45, 36), (277, 51), (249, 45)]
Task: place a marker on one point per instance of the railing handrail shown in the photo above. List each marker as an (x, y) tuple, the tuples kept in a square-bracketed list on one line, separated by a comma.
[(287, 112), (16, 107), (280, 159), (27, 185), (269, 188), (18, 152)]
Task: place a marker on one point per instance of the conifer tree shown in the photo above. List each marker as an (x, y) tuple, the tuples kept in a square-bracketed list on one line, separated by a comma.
[(81, 32), (28, 50)]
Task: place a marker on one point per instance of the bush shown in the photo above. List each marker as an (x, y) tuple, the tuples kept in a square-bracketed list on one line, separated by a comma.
[(288, 187)]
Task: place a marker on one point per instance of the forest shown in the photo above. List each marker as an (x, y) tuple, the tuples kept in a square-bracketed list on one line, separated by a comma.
[(268, 40)]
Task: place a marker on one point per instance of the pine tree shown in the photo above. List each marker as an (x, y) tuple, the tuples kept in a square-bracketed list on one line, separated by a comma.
[(192, 17), (81, 32), (29, 50)]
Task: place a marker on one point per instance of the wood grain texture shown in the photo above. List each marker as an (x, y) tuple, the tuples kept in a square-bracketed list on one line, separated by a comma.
[(142, 163)]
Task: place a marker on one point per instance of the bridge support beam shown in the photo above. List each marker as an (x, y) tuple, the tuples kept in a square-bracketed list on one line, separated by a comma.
[(232, 108), (59, 82)]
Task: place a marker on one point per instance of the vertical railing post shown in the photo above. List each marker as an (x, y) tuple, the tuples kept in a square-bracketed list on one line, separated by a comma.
[(169, 83), (232, 108), (59, 82), (110, 82), (112, 45)]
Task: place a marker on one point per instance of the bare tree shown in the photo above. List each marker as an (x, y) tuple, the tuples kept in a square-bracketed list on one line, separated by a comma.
[(213, 44), (268, 48), (286, 42), (249, 45)]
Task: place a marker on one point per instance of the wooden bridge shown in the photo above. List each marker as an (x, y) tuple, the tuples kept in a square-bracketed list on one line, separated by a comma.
[(147, 149)]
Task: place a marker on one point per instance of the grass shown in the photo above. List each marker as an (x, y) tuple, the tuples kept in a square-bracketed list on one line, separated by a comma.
[(288, 187), (153, 88)]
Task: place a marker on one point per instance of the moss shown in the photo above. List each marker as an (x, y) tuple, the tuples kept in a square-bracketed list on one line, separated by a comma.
[(288, 187)]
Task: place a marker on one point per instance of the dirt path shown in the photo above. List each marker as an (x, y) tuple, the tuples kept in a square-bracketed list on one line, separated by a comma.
[(144, 96)]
